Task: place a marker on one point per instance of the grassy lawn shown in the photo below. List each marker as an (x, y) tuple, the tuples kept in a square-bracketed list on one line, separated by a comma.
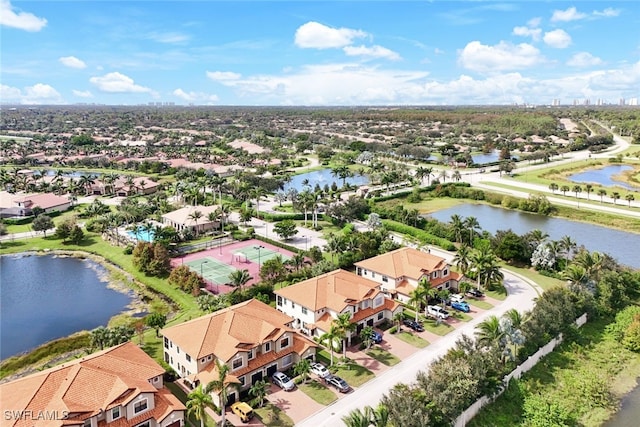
[(464, 317), (182, 396), (412, 339), (354, 374), (498, 293), (383, 356), (545, 282), (427, 205), (23, 228), (318, 392), (479, 303), (271, 415)]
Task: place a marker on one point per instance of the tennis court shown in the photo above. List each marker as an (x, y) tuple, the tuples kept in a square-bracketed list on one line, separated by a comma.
[(258, 254), (212, 270)]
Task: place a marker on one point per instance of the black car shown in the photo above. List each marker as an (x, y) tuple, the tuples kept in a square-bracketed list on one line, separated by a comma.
[(475, 292), (340, 384), (413, 325)]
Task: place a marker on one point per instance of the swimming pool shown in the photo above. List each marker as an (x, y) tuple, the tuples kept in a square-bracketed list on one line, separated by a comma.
[(141, 235)]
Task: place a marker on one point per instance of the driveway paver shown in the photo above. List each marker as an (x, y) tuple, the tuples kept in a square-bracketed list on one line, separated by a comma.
[(296, 404)]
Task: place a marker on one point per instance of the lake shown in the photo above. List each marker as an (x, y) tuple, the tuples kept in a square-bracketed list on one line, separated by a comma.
[(618, 244), (48, 297), (603, 176), (322, 177)]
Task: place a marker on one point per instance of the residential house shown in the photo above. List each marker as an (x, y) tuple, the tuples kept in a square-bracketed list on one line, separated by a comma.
[(118, 387), (20, 205), (252, 338), (316, 302), (183, 219), (398, 272)]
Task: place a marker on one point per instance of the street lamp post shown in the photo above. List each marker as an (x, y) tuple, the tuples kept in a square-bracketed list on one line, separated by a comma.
[(258, 249), (202, 275)]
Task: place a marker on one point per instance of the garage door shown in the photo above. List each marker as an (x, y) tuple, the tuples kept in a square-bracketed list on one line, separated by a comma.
[(256, 377), (272, 370)]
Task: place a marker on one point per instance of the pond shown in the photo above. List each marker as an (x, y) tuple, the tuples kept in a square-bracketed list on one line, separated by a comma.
[(616, 243), (629, 412), (48, 297), (604, 176), (492, 157), (322, 177)]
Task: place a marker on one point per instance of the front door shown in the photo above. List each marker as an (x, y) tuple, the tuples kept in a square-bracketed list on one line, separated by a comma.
[(272, 370), (231, 398)]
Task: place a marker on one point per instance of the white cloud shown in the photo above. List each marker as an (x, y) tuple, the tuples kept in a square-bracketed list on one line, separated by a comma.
[(534, 22), (168, 37), (195, 96), (72, 62), (534, 33), (82, 93), (570, 14), (39, 93), (501, 57), (372, 52), (557, 38), (118, 83), (438, 51), (223, 76), (583, 59), (607, 13), (20, 20), (318, 36)]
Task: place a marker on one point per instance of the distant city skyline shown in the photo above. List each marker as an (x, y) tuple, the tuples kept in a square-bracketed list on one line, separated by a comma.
[(333, 53)]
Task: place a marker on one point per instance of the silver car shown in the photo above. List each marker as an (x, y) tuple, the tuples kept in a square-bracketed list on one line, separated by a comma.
[(283, 381)]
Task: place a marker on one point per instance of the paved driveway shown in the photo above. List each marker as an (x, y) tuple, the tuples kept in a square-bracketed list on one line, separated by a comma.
[(396, 346), (296, 404)]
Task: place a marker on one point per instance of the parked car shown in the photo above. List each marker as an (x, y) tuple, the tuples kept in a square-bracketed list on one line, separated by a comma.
[(337, 382), (320, 370), (461, 306), (376, 336), (413, 325), (243, 411), (475, 292), (283, 381), (456, 298), (437, 311)]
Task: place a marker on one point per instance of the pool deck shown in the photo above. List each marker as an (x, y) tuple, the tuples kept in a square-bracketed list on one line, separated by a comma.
[(226, 254)]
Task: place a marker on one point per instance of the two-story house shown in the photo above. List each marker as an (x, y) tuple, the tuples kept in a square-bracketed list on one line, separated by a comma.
[(316, 302), (118, 387), (398, 272), (252, 338)]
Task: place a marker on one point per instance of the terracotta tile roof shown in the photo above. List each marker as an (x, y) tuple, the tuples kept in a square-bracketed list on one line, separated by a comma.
[(228, 331), (367, 312), (403, 262), (324, 322), (83, 386), (300, 345), (44, 200), (335, 290), (165, 404)]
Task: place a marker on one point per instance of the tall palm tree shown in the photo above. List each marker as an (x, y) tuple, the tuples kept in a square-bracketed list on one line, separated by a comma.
[(462, 259), (489, 332), (629, 198), (380, 416), (472, 225), (588, 188), (302, 368), (615, 196), (196, 216), (359, 418), (332, 339), (197, 402), (553, 187), (443, 175), (220, 386), (567, 244), (577, 189), (602, 192), (457, 226), (259, 390), (239, 278), (456, 175), (346, 327), (398, 318), (417, 297)]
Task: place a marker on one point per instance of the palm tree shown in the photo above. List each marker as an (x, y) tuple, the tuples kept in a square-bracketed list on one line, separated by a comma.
[(577, 189), (553, 187), (462, 259), (195, 216), (219, 386), (443, 175), (629, 198), (259, 391), (417, 298), (398, 318), (588, 188), (615, 196), (564, 189), (335, 244), (602, 192), (472, 225), (358, 418), (380, 416), (422, 172), (457, 226), (456, 175), (489, 332), (567, 244), (197, 401), (537, 236), (239, 278), (302, 368), (331, 339), (343, 322)]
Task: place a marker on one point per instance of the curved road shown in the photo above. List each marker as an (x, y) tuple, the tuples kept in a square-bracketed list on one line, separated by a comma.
[(521, 297)]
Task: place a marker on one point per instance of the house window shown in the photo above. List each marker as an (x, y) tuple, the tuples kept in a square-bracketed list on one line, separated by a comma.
[(140, 406), (87, 422), (209, 357), (293, 305), (445, 272), (365, 304), (250, 355), (144, 424), (378, 301), (446, 285), (177, 349), (267, 347), (284, 342), (115, 413), (188, 358), (434, 274), (287, 360), (279, 300), (237, 363), (304, 310), (373, 275), (385, 279), (380, 315), (241, 379), (166, 342)]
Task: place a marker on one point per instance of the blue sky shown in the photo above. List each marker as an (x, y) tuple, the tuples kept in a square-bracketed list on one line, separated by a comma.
[(318, 53)]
